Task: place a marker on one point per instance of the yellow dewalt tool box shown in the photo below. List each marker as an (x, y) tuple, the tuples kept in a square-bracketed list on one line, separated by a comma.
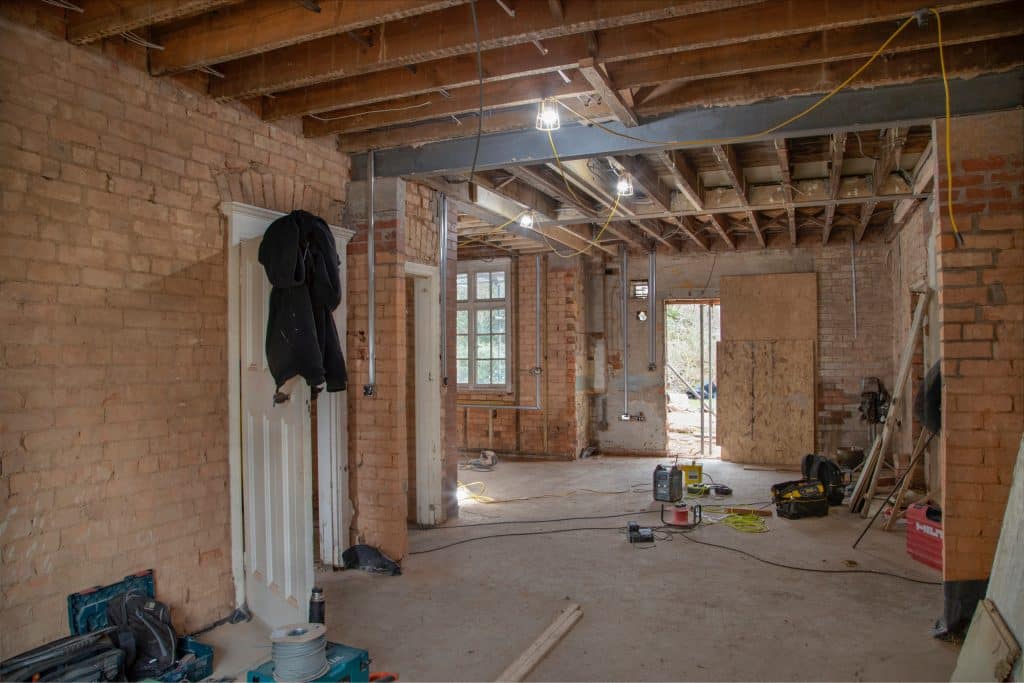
[(800, 498)]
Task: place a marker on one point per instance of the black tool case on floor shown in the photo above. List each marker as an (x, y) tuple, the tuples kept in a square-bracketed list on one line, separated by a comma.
[(800, 498), (87, 612)]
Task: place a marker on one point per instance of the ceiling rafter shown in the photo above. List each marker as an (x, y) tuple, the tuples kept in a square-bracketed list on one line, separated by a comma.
[(782, 151), (837, 148), (416, 39), (726, 155), (100, 19)]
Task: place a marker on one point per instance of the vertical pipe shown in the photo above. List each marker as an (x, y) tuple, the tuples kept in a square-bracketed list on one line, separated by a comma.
[(713, 390), (624, 312), (371, 261), (536, 325), (652, 317), (442, 201), (700, 389), (853, 271)]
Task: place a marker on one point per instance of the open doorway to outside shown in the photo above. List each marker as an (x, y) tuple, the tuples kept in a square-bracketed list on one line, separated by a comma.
[(692, 329)]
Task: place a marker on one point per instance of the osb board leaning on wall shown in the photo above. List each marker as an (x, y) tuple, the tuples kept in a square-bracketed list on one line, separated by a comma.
[(766, 400), (766, 367)]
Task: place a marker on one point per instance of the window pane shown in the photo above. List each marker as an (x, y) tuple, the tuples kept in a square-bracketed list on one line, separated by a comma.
[(483, 372), (497, 319), (498, 372), (498, 346), (462, 372), (483, 346), (483, 285), (483, 322), (462, 322), (462, 287), (462, 346), (498, 285)]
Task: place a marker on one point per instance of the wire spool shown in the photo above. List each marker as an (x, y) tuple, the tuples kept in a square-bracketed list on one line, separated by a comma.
[(299, 652)]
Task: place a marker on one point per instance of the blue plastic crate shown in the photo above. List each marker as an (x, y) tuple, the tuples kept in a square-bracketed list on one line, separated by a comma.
[(87, 612), (345, 665)]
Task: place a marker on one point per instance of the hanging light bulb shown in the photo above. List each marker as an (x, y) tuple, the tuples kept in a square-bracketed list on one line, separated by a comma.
[(624, 188), (526, 220), (547, 115)]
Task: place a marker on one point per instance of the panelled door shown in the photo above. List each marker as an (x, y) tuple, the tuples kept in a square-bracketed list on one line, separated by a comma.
[(277, 480)]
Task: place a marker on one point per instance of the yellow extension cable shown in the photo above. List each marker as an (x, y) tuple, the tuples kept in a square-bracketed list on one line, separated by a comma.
[(808, 110)]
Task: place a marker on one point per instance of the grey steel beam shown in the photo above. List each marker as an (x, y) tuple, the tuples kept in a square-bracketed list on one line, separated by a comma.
[(872, 108)]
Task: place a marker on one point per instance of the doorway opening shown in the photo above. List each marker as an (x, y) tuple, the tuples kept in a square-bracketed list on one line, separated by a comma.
[(692, 330)]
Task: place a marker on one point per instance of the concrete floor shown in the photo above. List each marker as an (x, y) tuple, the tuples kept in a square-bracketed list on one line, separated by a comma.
[(678, 611)]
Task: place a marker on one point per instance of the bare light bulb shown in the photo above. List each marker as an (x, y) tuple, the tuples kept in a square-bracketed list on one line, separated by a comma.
[(547, 115), (624, 188), (526, 221)]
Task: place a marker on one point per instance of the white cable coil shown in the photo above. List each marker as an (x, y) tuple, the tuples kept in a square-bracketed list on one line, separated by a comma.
[(299, 652)]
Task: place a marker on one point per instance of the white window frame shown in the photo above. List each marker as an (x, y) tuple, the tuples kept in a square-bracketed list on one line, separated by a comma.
[(470, 269)]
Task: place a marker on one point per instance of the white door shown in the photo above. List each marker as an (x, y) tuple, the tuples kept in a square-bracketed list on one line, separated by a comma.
[(277, 476)]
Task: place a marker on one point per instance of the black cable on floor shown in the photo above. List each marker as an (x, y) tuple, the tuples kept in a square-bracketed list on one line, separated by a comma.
[(811, 569), (687, 536), (520, 533), (537, 521)]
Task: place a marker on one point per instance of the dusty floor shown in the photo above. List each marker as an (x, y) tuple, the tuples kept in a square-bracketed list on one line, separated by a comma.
[(678, 611)]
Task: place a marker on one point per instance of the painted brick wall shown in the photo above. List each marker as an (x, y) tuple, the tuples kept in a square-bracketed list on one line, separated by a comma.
[(559, 429), (113, 297), (981, 311)]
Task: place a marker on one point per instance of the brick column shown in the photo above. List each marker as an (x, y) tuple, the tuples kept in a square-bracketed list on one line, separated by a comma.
[(981, 312)]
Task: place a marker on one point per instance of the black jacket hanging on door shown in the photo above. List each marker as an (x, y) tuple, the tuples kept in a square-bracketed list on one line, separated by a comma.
[(301, 259)]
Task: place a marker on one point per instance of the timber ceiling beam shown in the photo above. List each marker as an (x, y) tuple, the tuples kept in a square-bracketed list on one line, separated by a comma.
[(726, 155), (418, 39), (645, 177), (597, 76), (266, 26), (551, 183), (675, 57), (782, 151), (891, 150), (742, 89), (459, 102), (837, 148), (867, 210), (689, 185), (103, 19), (519, 192)]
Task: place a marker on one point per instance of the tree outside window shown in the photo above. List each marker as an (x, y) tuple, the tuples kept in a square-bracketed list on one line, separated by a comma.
[(481, 324)]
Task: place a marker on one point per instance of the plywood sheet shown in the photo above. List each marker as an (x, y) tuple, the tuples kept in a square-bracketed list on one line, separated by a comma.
[(766, 406), (770, 307)]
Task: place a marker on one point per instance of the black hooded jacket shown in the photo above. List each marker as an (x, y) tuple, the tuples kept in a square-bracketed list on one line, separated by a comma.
[(301, 259)]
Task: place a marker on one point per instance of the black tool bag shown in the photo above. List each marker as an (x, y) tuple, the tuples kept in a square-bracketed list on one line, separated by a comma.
[(149, 623), (799, 499), (828, 473)]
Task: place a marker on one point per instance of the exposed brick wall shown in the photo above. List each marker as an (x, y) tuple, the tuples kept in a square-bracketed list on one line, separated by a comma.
[(843, 358), (981, 312), (113, 410), (560, 428)]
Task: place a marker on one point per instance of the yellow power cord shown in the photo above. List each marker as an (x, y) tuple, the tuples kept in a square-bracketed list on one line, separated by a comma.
[(479, 496), (808, 110), (751, 524)]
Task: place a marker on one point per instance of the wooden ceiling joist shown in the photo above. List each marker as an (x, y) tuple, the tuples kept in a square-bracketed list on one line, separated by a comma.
[(550, 182), (782, 151), (261, 27), (837, 145), (726, 155), (417, 39), (103, 18), (645, 177), (597, 76)]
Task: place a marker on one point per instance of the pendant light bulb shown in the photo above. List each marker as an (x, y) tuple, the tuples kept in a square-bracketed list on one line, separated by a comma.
[(624, 188), (526, 220), (547, 115)]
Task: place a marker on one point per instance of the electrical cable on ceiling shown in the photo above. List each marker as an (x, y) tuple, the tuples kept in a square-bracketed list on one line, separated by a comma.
[(480, 77), (917, 16), (368, 113)]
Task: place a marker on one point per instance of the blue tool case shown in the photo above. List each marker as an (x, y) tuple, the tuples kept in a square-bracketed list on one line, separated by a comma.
[(87, 612)]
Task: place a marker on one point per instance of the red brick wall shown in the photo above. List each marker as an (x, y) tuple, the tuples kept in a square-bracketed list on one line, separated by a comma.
[(981, 311), (560, 428), (844, 358), (112, 280)]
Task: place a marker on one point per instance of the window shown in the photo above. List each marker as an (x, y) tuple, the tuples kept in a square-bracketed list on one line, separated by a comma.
[(481, 324)]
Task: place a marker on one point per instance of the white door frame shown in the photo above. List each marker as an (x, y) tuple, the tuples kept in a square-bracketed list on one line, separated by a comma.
[(427, 311), (244, 222)]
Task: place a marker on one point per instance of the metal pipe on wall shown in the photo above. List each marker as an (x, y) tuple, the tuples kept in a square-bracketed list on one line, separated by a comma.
[(371, 261), (853, 272), (700, 393), (624, 313), (442, 202), (652, 312)]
